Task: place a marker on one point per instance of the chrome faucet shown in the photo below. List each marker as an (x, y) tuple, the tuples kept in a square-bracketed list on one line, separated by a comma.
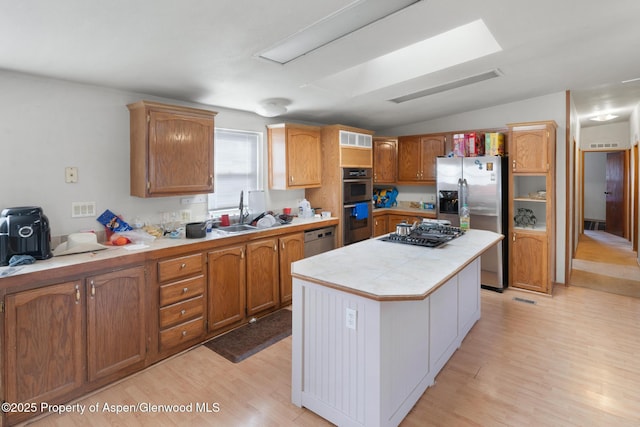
[(243, 216)]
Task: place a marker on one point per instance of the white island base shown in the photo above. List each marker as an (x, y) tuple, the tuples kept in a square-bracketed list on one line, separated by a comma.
[(360, 361)]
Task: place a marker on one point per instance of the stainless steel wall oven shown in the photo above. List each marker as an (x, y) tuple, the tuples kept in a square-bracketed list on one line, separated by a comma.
[(357, 191)]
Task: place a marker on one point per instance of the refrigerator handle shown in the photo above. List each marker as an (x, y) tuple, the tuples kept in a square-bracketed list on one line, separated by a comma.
[(464, 191)]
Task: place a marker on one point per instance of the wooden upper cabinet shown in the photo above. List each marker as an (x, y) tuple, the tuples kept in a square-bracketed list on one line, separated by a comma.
[(171, 150), (355, 148), (432, 148), (529, 147), (295, 156), (385, 161), (417, 158)]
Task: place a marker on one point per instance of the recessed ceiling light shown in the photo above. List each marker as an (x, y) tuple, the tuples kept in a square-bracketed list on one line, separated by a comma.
[(459, 45), (603, 118), (356, 15)]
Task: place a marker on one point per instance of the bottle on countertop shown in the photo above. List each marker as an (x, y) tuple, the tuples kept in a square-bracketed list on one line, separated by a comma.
[(465, 217), (304, 209)]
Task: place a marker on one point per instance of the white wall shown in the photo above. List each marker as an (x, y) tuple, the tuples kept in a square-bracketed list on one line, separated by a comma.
[(595, 184), (548, 107), (49, 124), (614, 134)]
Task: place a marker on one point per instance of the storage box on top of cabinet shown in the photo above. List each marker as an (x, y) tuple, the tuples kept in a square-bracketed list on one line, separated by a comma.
[(171, 150)]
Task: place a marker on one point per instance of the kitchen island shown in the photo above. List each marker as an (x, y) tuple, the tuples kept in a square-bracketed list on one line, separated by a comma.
[(374, 323)]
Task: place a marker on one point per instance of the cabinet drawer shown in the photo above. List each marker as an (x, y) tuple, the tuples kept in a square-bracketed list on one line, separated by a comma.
[(181, 311), (179, 267), (181, 333), (182, 290)]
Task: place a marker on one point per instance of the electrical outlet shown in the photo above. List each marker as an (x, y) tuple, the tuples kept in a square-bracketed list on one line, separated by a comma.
[(431, 198), (194, 199), (185, 215), (351, 318)]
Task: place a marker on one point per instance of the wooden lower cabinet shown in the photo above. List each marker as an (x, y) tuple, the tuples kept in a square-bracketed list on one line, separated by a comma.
[(52, 353), (248, 280), (45, 353), (226, 287), (380, 225), (182, 302), (263, 284), (291, 250), (529, 261), (116, 333)]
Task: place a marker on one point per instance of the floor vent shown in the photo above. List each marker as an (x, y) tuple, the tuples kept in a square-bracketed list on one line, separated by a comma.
[(528, 301)]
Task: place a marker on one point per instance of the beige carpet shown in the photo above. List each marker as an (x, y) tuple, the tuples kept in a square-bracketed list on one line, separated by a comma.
[(605, 262)]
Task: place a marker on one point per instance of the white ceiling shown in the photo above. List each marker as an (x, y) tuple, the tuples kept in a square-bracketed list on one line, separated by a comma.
[(206, 51)]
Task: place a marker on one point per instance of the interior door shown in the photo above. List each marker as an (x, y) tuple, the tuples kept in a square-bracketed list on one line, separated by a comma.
[(615, 194)]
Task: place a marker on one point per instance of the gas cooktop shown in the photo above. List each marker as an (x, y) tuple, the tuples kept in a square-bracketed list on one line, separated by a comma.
[(430, 235)]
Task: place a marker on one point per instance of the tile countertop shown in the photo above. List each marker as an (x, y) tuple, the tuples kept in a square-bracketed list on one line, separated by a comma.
[(402, 210), (392, 271), (160, 244)]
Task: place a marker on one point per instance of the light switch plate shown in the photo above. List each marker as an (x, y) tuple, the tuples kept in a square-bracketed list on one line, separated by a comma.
[(83, 209)]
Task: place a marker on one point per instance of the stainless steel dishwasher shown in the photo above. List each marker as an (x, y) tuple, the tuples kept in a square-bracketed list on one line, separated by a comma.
[(319, 240)]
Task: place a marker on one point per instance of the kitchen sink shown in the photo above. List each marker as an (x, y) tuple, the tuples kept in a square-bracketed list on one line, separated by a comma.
[(236, 228)]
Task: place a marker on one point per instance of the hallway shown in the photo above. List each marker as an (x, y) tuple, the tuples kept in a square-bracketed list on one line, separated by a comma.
[(605, 262)]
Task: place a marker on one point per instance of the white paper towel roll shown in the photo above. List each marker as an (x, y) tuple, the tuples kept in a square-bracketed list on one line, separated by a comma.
[(256, 202)]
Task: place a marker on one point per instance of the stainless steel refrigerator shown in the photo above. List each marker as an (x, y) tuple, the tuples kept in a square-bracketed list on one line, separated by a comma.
[(481, 183)]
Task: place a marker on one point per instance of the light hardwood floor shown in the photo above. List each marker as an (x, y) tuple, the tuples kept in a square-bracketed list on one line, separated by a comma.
[(607, 263), (568, 360)]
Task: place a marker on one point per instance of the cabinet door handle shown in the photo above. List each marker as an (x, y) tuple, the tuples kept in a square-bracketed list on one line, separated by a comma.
[(183, 265), (514, 237), (275, 247), (183, 312), (184, 333), (242, 253), (185, 290), (282, 245), (77, 294), (93, 289), (291, 179)]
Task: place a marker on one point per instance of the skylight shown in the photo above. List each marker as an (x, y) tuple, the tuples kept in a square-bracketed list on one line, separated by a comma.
[(453, 47), (356, 15)]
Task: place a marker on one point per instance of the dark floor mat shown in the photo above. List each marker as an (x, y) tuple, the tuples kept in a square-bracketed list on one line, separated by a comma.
[(247, 340)]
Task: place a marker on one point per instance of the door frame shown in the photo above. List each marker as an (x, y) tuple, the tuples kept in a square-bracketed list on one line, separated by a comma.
[(635, 196), (626, 193)]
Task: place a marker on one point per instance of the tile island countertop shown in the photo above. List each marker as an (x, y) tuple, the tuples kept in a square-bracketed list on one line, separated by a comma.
[(391, 271)]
